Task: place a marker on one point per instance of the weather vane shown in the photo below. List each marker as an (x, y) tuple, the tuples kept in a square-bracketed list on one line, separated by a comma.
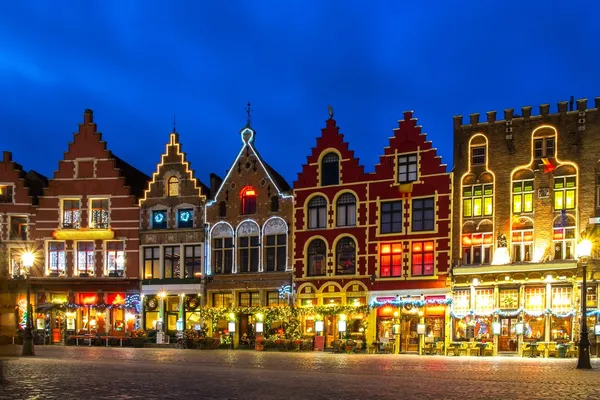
[(249, 111), (330, 111), (174, 122)]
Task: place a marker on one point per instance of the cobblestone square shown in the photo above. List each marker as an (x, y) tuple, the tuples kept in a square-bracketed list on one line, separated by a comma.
[(127, 373)]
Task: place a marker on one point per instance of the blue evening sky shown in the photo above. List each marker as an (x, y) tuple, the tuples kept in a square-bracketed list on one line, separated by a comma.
[(136, 63)]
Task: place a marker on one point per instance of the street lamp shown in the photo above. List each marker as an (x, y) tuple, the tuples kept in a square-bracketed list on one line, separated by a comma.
[(28, 350), (584, 250)]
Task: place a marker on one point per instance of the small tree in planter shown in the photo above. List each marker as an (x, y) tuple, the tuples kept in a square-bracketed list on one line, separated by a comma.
[(138, 337)]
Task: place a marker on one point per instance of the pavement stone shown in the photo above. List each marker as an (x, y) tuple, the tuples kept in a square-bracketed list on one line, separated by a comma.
[(58, 372)]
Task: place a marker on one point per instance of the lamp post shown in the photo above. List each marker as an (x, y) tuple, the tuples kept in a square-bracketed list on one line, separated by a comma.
[(28, 350), (584, 250)]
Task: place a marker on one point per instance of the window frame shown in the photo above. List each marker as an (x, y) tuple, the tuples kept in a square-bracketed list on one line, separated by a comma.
[(74, 213), (248, 299), (314, 251), (483, 200), (482, 246), (89, 257), (392, 212), (9, 196), (164, 223), (482, 158), (271, 294), (195, 259), (522, 193), (172, 186), (407, 161), (564, 241), (187, 224), (118, 270), (563, 192), (249, 201), (320, 211), (222, 252), (22, 227), (522, 244), (424, 208), (391, 256), (248, 254), (93, 224), (330, 169), (60, 269), (345, 208), (543, 149), (419, 248), (154, 260), (339, 252), (273, 251), (171, 262)]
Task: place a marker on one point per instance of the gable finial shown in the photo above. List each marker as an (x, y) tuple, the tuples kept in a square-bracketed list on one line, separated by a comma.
[(249, 111), (330, 109), (174, 122)]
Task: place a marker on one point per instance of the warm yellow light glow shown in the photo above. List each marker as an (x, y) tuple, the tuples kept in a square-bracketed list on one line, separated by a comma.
[(549, 278), (27, 259), (162, 294), (83, 234), (231, 316), (584, 249), (507, 278), (396, 313), (129, 317), (259, 316), (501, 256), (475, 282)]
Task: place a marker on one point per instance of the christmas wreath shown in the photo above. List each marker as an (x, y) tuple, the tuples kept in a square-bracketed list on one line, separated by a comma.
[(151, 303), (192, 303)]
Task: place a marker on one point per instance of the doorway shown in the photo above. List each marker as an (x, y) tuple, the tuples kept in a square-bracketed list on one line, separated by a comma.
[(508, 341), (331, 331), (409, 339), (57, 323)]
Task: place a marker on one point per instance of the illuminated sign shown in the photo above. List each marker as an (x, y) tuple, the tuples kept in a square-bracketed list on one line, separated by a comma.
[(83, 234)]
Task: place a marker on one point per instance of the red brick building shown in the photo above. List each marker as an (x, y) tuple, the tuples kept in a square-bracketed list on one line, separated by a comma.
[(87, 233), (378, 237)]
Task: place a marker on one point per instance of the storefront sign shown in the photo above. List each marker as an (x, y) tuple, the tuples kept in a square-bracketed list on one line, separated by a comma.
[(231, 327), (83, 234), (115, 298), (259, 327), (342, 325), (88, 298)]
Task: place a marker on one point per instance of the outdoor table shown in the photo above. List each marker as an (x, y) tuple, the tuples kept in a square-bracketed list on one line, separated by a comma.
[(120, 338), (82, 337), (480, 346)]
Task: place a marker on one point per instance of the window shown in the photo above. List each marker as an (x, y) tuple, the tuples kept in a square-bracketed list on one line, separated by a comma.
[(390, 260), (185, 218), (248, 201), (478, 200), (249, 251), (159, 219), (478, 155), (462, 301), (273, 300), (222, 300), (99, 213), (222, 209), (6, 193), (18, 228), (151, 262), (522, 245), (391, 217), (173, 186), (330, 169), (564, 243), (477, 248), (422, 215), (276, 252), (484, 300), (71, 215), (57, 258), (223, 255), (598, 191), (345, 255), (562, 298), (509, 299), (85, 258), (543, 147), (317, 212), (249, 299), (172, 262), (16, 263), (592, 296), (316, 258), (407, 168), (274, 204), (422, 258), (193, 261), (115, 258), (522, 196), (346, 210), (565, 190)]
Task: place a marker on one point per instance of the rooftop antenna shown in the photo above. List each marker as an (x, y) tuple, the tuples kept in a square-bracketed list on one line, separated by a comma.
[(249, 111)]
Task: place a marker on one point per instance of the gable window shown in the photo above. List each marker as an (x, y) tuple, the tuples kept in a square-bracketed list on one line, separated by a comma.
[(99, 213), (185, 218), (223, 255), (345, 254), (423, 215), (18, 228), (57, 258), (390, 259), (478, 200), (276, 252), (274, 204), (422, 258), (249, 299), (346, 210), (316, 258), (151, 262), (71, 215), (193, 261), (317, 212), (478, 155), (115, 258), (222, 209), (249, 251), (522, 196), (330, 169), (565, 192), (407, 168), (391, 217), (544, 147), (172, 262), (477, 248), (6, 193), (159, 219), (85, 258), (248, 200), (172, 186)]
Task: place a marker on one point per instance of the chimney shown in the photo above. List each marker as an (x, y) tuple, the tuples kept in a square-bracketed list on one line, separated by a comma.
[(526, 111), (7, 156), (215, 183), (581, 104), (508, 113), (562, 106), (491, 117), (88, 116), (544, 110)]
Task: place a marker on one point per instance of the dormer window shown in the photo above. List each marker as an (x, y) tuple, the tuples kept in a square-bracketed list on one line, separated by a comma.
[(248, 200), (407, 168), (172, 186), (330, 169), (6, 193)]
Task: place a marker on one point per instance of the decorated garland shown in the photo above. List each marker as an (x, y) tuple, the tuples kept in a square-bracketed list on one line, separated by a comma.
[(514, 313), (409, 304)]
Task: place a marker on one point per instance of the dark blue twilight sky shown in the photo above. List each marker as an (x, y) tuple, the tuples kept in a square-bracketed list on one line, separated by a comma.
[(136, 63)]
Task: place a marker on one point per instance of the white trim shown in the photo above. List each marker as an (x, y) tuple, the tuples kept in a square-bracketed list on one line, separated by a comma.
[(260, 245)]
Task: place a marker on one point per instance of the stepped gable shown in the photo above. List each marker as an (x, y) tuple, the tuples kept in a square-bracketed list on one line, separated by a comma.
[(28, 185)]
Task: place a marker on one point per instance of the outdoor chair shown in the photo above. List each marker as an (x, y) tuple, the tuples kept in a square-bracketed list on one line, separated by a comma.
[(439, 348), (488, 349)]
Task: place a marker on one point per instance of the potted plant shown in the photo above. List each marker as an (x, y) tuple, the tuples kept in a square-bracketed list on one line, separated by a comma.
[(138, 337), (189, 335)]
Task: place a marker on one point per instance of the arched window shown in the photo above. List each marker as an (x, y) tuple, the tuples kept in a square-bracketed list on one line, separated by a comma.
[(317, 212), (248, 195), (274, 203), (173, 186), (522, 240), (222, 209), (345, 255), (346, 210), (564, 237), (330, 169), (316, 258)]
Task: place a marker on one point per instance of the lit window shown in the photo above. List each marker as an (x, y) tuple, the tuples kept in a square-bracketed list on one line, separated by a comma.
[(392, 217), (522, 245), (562, 298), (159, 219), (276, 252), (478, 155), (151, 262), (565, 191), (249, 299), (390, 259), (71, 215), (422, 258), (99, 213), (564, 238), (6, 193), (115, 258), (185, 218), (223, 255), (85, 258), (346, 210), (330, 169), (171, 262), (484, 300), (345, 254), (172, 186), (478, 200), (16, 263), (273, 299), (222, 300), (248, 200), (423, 215), (477, 248), (535, 298), (316, 258), (544, 147), (57, 258), (317, 212), (522, 196), (407, 168)]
